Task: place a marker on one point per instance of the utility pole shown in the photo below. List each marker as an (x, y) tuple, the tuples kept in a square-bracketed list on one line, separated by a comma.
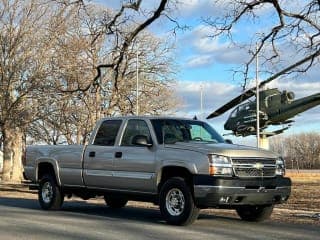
[(201, 101), (257, 98)]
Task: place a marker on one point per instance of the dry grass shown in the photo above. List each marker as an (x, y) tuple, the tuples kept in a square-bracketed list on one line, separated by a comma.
[(304, 201), (305, 192), (304, 177)]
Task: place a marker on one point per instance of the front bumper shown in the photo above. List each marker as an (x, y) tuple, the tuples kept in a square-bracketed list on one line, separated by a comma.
[(231, 192)]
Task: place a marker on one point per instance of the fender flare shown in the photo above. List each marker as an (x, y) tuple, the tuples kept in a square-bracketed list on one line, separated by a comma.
[(52, 162), (191, 167)]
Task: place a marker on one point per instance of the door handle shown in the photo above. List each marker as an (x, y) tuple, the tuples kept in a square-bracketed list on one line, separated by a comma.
[(118, 155), (92, 154)]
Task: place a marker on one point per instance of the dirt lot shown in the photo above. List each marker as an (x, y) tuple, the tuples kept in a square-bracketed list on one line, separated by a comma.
[(302, 207)]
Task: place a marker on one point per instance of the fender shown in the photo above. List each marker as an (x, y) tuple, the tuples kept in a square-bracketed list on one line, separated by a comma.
[(191, 167), (54, 164)]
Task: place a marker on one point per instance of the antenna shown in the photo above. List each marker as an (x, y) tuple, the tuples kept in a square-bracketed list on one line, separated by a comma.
[(162, 130)]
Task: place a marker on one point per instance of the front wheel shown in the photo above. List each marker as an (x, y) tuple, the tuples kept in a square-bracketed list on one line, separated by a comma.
[(49, 194), (176, 202), (254, 213)]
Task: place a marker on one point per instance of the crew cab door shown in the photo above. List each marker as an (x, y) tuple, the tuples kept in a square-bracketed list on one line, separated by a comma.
[(99, 156), (134, 166)]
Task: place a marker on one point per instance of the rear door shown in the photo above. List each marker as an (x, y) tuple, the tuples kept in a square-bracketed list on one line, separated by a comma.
[(134, 166), (99, 156)]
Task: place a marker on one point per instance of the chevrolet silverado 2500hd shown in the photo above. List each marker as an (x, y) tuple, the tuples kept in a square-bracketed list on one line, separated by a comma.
[(182, 165)]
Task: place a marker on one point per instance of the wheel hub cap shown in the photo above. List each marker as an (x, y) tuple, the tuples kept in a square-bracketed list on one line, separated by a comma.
[(175, 202), (47, 192)]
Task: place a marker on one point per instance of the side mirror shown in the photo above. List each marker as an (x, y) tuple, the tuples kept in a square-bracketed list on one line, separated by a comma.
[(228, 141), (141, 140)]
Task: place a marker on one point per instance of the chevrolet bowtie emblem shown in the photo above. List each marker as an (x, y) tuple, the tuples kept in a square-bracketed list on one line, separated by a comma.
[(258, 166)]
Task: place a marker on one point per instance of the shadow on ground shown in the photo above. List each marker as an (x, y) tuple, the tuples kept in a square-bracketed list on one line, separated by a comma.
[(93, 210)]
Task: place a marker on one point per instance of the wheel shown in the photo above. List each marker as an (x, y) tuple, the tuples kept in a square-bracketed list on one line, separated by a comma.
[(254, 213), (115, 202), (49, 194), (176, 202)]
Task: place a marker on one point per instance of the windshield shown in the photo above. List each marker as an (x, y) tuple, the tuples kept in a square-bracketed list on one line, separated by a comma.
[(171, 131)]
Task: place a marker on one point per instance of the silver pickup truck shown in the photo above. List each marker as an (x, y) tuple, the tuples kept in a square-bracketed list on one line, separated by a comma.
[(182, 165)]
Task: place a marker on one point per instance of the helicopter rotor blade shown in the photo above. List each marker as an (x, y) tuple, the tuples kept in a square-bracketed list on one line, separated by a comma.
[(234, 102)]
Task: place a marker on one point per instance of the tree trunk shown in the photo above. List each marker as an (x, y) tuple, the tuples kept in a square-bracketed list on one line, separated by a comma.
[(12, 151), (17, 147), (7, 153), (78, 139)]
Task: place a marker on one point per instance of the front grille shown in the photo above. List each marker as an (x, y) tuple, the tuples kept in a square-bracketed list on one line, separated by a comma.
[(254, 167)]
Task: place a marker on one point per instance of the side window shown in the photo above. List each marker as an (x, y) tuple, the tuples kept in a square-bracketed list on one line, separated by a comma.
[(107, 133), (135, 127)]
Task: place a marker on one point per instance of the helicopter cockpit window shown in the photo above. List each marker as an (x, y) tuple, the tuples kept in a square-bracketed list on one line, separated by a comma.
[(244, 107), (234, 113)]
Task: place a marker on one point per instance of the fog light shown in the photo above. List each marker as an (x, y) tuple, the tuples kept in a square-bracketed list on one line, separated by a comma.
[(225, 199)]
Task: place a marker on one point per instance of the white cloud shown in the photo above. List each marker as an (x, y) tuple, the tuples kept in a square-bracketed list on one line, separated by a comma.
[(200, 61), (301, 88), (199, 8), (201, 41), (215, 94), (205, 50)]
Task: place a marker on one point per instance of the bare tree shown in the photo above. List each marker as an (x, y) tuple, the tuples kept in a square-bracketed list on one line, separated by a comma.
[(20, 69), (294, 27), (112, 25), (300, 150), (70, 115), (42, 52), (24, 58), (149, 58)]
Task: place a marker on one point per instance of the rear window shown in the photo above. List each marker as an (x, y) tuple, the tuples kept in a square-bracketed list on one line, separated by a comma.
[(107, 133)]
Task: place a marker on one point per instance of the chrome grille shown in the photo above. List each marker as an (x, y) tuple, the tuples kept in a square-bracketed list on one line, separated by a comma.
[(254, 167)]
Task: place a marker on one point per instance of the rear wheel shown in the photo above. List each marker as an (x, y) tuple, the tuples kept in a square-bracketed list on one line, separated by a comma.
[(49, 194), (115, 202), (255, 213), (176, 202)]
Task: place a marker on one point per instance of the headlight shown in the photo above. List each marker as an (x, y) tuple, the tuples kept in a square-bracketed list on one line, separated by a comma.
[(280, 167), (219, 165)]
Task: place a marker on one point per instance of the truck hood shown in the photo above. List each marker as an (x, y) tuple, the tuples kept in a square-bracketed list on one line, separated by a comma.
[(230, 150)]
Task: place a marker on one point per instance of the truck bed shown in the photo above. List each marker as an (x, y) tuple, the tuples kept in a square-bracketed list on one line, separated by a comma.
[(67, 159)]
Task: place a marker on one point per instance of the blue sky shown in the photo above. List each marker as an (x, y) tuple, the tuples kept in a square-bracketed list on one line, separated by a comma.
[(211, 62)]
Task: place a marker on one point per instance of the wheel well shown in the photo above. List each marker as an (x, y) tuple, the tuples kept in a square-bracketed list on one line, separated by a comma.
[(45, 168), (173, 171)]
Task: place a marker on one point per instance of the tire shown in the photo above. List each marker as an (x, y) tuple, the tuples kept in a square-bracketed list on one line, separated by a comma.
[(115, 202), (176, 202), (254, 213), (49, 194)]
